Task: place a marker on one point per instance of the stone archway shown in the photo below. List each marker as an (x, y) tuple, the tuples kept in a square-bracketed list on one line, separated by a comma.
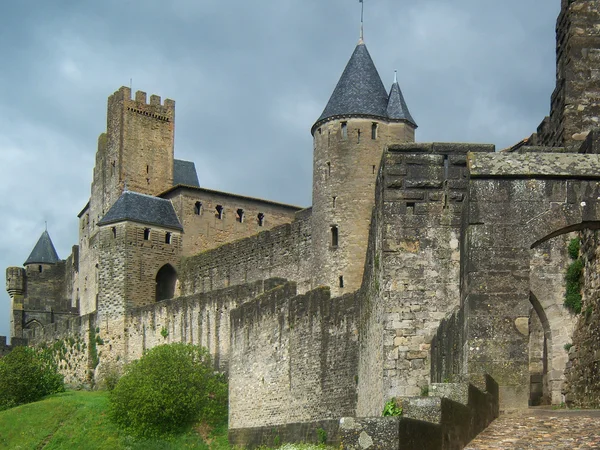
[(166, 281)]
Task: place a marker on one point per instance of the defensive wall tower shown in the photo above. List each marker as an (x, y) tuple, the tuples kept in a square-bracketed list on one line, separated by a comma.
[(575, 104), (137, 149), (360, 120), (15, 286)]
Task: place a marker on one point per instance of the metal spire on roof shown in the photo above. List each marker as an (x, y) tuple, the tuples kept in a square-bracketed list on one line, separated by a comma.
[(362, 21), (395, 76)]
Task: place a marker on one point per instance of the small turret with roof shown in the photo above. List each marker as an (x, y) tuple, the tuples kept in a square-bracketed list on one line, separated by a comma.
[(43, 252), (358, 123)]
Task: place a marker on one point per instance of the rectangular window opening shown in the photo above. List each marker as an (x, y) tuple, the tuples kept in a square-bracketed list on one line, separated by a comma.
[(168, 238), (374, 167), (146, 234), (219, 209), (358, 136), (328, 169), (341, 281), (344, 130), (374, 131), (335, 235), (197, 208), (240, 215), (261, 219), (114, 232), (334, 202)]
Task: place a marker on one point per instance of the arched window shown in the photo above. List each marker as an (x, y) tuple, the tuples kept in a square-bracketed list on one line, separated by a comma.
[(166, 278), (198, 208)]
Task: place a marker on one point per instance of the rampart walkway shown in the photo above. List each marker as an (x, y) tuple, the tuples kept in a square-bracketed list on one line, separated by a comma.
[(541, 429)]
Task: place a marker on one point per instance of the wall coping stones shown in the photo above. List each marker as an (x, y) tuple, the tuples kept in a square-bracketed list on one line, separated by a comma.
[(528, 165), (441, 147)]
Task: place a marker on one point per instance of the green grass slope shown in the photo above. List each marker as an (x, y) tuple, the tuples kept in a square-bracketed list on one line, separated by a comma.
[(78, 420)]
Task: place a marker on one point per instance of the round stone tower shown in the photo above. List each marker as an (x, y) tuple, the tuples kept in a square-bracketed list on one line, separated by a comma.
[(360, 120)]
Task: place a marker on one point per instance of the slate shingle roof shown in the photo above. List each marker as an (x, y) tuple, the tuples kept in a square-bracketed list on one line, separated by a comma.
[(43, 252), (142, 208), (361, 92), (397, 108), (184, 172)]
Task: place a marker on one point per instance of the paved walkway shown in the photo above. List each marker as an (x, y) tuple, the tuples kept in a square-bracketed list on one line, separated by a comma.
[(541, 429)]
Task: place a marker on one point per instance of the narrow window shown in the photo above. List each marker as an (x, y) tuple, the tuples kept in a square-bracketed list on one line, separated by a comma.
[(344, 130), (341, 281), (320, 131), (240, 214), (147, 169), (114, 232), (334, 236), (168, 238), (198, 208), (40, 268), (373, 170), (328, 169), (219, 209), (334, 201), (358, 136), (374, 131), (261, 219), (146, 234)]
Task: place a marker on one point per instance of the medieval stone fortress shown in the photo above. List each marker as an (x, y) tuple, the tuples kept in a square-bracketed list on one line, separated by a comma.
[(436, 266)]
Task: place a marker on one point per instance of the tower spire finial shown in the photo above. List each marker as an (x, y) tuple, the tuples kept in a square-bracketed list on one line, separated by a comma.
[(395, 76), (362, 21)]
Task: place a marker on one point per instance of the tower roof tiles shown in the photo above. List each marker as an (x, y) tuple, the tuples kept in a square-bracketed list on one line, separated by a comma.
[(43, 252), (142, 208), (397, 108)]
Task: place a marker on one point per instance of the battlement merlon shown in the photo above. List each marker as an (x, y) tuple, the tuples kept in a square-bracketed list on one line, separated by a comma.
[(123, 94), (441, 148)]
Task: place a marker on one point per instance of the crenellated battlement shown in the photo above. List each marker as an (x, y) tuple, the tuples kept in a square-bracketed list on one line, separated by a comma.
[(141, 99)]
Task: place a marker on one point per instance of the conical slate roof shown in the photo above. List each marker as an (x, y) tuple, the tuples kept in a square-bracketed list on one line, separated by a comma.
[(142, 208), (360, 90), (397, 108), (43, 252)]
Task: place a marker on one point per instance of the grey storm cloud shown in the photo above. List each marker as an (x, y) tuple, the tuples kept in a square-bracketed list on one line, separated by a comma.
[(249, 79)]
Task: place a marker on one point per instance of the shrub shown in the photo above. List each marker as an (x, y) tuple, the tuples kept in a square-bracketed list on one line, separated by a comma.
[(27, 375), (167, 390), (573, 295), (391, 409), (573, 248)]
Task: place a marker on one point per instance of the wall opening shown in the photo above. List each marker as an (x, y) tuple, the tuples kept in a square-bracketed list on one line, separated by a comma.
[(167, 238), (114, 232), (219, 214), (328, 169), (166, 279), (197, 208), (373, 169), (146, 234), (374, 131), (358, 136), (334, 236), (341, 281), (334, 201), (40, 269), (344, 130), (240, 215), (261, 219)]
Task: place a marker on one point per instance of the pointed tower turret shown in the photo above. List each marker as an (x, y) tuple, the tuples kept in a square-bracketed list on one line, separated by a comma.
[(360, 120), (43, 252)]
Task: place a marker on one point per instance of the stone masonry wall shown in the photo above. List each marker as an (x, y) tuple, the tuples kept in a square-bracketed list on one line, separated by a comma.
[(582, 388), (293, 358), (424, 189), (204, 230), (282, 252), (201, 319)]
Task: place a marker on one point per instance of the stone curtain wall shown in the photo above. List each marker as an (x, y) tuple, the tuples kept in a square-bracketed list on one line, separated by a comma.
[(203, 228), (582, 387), (201, 319), (293, 358), (282, 252)]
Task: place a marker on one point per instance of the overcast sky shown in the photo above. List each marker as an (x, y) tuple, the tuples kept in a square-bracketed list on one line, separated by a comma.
[(249, 79)]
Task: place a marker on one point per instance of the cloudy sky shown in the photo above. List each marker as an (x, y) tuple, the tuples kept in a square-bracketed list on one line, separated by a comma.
[(249, 79)]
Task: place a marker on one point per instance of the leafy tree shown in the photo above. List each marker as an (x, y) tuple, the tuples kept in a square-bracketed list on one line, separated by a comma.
[(27, 375), (167, 390)]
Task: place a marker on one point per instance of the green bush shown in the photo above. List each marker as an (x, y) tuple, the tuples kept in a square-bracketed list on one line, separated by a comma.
[(167, 390), (573, 248), (27, 375), (573, 298), (391, 409)]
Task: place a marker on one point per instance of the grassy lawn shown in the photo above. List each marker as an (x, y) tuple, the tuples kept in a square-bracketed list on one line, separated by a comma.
[(78, 420)]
